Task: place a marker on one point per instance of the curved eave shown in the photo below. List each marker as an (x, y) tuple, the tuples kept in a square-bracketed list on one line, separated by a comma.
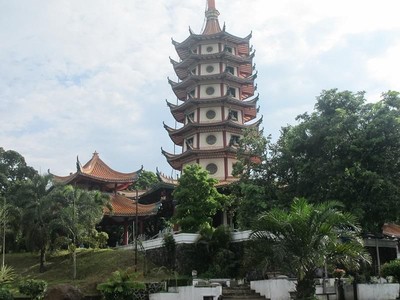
[(177, 160), (180, 88), (63, 180), (182, 68), (178, 135), (125, 207), (183, 48), (106, 179), (248, 106), (166, 179)]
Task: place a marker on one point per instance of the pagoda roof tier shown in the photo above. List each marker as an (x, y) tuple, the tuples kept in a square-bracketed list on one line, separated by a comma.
[(125, 207), (172, 183), (248, 106), (182, 68), (98, 172), (177, 160), (178, 135), (180, 88), (184, 48)]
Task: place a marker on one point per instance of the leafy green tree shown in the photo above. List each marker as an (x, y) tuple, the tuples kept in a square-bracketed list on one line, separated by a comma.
[(197, 199), (307, 237), (39, 215), (347, 149), (256, 191), (81, 211), (218, 257), (13, 169), (145, 181), (13, 173)]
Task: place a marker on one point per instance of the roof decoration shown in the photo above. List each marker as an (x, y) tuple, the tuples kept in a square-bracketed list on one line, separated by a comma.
[(96, 170), (212, 24)]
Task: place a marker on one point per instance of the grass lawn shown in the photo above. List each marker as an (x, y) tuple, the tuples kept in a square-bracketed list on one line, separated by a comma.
[(93, 267)]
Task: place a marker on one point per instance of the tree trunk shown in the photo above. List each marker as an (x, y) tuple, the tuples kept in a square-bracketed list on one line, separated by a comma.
[(42, 267), (74, 265), (305, 288)]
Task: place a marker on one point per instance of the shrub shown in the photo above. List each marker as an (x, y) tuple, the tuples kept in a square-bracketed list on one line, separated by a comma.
[(102, 239), (5, 294), (122, 285), (33, 288), (391, 268), (7, 275), (169, 245)]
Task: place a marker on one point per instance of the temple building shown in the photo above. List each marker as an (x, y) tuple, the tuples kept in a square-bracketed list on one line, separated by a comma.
[(216, 98), (97, 175)]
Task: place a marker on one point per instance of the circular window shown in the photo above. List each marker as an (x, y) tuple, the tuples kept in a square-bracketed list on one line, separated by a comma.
[(210, 114), (210, 90), (209, 49), (212, 168), (209, 69), (211, 139)]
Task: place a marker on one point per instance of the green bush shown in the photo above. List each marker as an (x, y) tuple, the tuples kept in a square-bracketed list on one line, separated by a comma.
[(102, 239), (391, 268), (122, 285), (169, 245), (33, 288), (5, 294), (7, 275)]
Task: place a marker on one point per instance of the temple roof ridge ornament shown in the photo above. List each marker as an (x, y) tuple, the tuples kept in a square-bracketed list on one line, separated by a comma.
[(212, 23), (96, 169)]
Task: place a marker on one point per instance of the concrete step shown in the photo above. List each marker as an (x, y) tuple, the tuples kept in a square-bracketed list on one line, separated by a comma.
[(240, 292)]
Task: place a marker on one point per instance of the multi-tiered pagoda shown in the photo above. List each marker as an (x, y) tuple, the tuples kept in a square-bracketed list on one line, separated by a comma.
[(216, 93)]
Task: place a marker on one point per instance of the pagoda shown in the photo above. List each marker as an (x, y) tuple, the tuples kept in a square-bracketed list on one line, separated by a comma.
[(216, 98), (97, 175)]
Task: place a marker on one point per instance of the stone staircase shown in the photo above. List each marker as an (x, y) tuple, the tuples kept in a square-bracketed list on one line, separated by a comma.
[(240, 292)]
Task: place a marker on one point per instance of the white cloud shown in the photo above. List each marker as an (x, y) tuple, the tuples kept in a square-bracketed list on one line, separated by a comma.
[(78, 76), (385, 68)]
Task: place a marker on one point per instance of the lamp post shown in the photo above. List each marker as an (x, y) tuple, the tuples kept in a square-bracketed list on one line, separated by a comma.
[(136, 229)]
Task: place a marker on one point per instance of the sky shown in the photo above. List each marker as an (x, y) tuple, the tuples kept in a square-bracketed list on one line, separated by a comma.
[(83, 76)]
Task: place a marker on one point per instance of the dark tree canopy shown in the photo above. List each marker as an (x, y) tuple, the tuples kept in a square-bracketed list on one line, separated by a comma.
[(145, 181), (13, 169), (348, 150)]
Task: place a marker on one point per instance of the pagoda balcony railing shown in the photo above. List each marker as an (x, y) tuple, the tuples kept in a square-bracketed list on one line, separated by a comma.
[(214, 147)]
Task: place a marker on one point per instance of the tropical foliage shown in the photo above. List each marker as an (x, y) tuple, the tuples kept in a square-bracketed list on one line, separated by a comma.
[(81, 211), (197, 199), (346, 149), (392, 268), (33, 288), (310, 236), (122, 285)]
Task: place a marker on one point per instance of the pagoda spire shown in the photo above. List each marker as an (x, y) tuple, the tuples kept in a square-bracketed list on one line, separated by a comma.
[(212, 24)]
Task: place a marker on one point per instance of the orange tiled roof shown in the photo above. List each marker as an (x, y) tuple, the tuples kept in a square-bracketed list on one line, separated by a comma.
[(392, 230), (125, 207), (96, 169)]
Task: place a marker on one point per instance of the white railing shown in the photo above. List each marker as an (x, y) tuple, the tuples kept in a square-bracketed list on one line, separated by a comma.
[(182, 238)]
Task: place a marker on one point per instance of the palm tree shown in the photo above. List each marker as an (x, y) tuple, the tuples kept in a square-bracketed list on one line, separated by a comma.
[(308, 237), (38, 215), (82, 211)]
